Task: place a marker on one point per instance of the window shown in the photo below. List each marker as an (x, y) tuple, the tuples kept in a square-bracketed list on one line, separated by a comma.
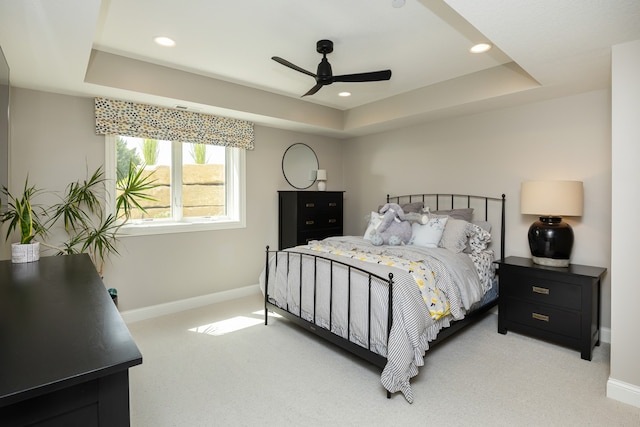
[(198, 186)]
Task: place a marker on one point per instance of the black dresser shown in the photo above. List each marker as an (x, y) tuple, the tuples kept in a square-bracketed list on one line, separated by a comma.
[(560, 304), (65, 351), (308, 215)]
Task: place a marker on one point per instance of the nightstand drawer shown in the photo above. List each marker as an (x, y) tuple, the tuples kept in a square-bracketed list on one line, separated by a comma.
[(555, 303), (544, 291), (544, 317)]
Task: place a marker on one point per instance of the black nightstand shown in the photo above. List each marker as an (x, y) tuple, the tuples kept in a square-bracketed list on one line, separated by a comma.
[(560, 304)]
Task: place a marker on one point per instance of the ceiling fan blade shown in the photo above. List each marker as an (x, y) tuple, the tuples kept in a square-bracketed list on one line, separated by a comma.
[(313, 90), (292, 66), (372, 76)]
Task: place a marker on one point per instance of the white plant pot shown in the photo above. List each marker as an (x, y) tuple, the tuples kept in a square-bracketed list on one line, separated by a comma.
[(28, 252)]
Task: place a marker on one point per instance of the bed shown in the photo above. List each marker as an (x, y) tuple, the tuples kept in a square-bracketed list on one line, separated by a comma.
[(390, 304)]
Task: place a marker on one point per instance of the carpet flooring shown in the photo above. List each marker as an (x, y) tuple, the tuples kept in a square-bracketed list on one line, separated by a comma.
[(220, 366)]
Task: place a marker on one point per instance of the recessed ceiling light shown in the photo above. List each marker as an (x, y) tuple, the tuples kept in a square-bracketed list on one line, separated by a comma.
[(164, 41), (397, 3), (480, 48), (344, 94)]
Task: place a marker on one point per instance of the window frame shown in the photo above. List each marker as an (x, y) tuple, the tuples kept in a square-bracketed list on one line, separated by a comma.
[(235, 196)]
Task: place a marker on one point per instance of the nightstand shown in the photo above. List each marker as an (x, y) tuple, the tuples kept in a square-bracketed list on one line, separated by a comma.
[(559, 304)]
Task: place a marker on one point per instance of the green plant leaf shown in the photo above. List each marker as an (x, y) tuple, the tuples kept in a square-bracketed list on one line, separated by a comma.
[(134, 187), (80, 209), (23, 215), (80, 202)]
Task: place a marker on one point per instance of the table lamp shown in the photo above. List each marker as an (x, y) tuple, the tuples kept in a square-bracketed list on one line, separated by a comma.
[(550, 238), (321, 176)]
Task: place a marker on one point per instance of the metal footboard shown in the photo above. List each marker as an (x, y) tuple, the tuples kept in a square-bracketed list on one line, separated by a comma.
[(367, 352)]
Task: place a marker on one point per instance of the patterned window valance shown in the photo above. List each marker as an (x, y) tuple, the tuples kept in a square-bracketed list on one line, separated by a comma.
[(147, 121)]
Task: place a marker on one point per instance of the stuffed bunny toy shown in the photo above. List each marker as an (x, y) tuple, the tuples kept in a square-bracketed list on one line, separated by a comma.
[(393, 230)]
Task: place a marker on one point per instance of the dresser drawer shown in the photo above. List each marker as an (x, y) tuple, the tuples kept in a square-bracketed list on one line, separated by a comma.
[(319, 212), (315, 222), (307, 236), (535, 289), (308, 215), (544, 317), (324, 204)]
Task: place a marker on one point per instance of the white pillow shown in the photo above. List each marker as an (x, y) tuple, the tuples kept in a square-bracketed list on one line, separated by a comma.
[(374, 221), (429, 234)]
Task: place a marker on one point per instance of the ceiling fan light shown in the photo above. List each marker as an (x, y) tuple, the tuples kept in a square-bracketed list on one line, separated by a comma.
[(480, 48), (325, 75)]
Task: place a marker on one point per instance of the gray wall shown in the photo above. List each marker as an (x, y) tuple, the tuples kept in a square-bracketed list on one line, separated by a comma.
[(625, 345), (490, 154), (54, 142)]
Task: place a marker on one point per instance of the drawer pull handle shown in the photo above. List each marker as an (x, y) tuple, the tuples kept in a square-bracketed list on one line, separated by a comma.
[(309, 205), (310, 222), (332, 221), (539, 290), (332, 204), (540, 317)]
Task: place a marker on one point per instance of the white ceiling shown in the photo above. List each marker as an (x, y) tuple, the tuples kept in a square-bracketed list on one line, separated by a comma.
[(541, 49)]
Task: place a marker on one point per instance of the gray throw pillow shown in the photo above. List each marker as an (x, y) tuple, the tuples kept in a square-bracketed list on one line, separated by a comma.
[(465, 213)]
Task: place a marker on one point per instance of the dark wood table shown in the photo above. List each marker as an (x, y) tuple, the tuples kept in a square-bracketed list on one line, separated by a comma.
[(65, 351)]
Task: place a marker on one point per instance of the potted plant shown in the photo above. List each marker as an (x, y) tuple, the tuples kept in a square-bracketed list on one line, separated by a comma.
[(80, 210), (23, 215)]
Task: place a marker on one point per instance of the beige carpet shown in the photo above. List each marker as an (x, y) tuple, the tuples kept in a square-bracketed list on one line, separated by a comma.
[(196, 371)]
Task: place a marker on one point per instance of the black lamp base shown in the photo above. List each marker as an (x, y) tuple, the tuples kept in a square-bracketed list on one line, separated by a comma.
[(551, 241)]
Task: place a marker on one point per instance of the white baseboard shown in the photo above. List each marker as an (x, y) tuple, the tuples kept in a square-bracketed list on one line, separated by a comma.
[(136, 315), (624, 392)]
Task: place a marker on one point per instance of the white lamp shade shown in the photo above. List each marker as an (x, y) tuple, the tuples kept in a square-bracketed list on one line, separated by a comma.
[(321, 175), (552, 198)]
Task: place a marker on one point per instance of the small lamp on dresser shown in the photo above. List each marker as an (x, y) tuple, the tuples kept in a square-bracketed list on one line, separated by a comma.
[(550, 238), (321, 176)]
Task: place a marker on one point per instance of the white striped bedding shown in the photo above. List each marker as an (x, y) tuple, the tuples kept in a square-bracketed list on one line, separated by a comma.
[(456, 277)]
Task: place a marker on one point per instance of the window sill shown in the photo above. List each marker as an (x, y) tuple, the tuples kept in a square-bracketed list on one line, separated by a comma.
[(146, 229)]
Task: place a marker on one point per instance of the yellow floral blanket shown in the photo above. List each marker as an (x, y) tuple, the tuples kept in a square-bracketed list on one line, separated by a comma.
[(424, 277)]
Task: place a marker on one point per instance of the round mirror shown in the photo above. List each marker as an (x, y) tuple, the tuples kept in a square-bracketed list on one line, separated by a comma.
[(299, 166)]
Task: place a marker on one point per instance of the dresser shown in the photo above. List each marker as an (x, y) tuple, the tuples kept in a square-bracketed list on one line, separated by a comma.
[(308, 215), (559, 304), (65, 352)]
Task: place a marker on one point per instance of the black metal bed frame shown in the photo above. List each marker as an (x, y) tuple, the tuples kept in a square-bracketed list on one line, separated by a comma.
[(354, 348), (365, 353)]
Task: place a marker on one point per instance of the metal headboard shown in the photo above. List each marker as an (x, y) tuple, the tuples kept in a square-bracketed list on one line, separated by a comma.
[(482, 204)]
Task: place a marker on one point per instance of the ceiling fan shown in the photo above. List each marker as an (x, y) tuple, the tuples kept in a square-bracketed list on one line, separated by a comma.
[(324, 75)]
